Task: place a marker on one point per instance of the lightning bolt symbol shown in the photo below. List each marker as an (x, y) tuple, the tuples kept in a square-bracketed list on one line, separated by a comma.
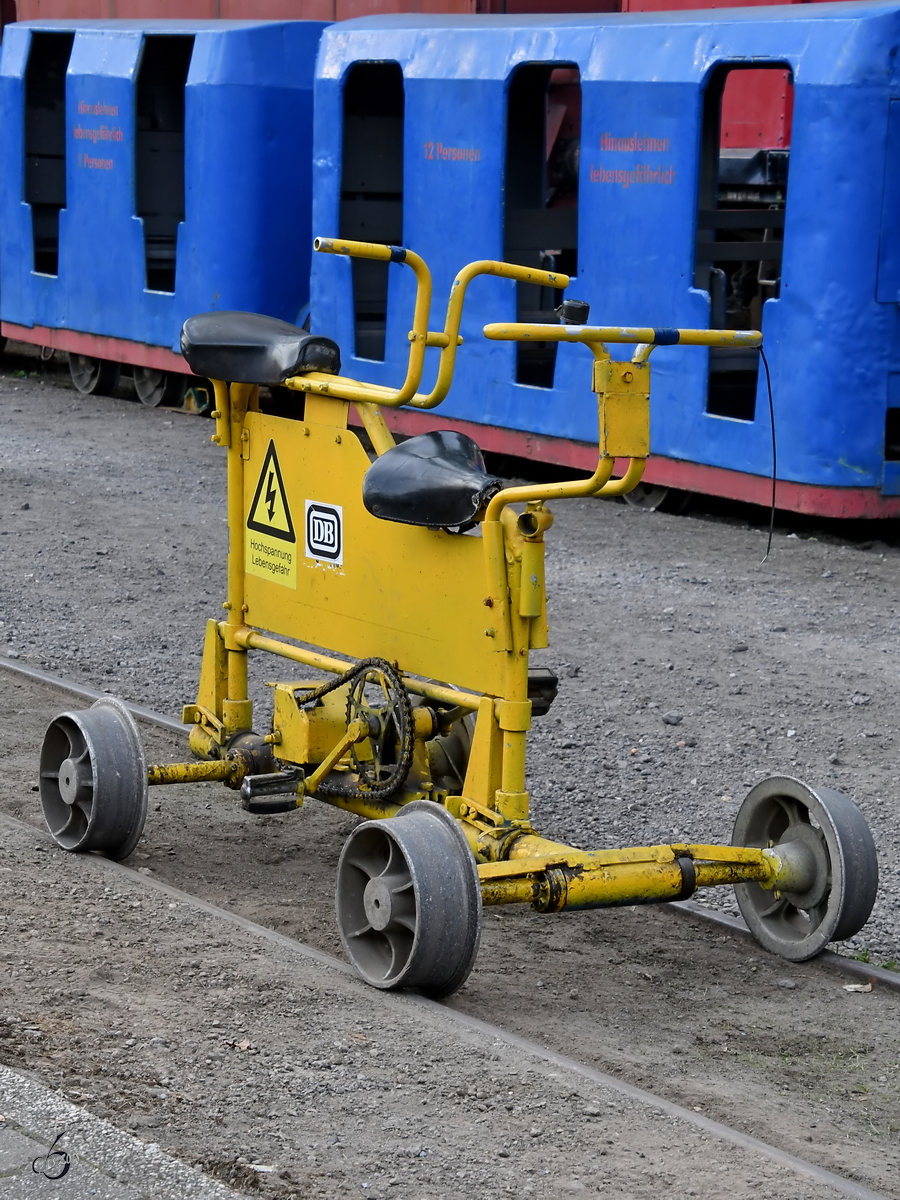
[(271, 494)]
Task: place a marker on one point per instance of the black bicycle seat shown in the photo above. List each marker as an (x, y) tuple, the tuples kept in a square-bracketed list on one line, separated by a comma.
[(242, 347), (435, 479)]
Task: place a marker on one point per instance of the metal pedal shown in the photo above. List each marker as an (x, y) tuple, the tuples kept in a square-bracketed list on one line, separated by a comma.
[(279, 792), (543, 685)]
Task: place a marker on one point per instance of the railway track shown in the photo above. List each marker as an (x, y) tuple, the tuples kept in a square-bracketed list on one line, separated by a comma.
[(856, 968), (686, 1014)]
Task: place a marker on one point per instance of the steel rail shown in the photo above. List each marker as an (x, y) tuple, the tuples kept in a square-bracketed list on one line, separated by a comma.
[(86, 692), (687, 908), (811, 1171)]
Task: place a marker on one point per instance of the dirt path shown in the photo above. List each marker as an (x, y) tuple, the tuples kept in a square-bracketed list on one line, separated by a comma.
[(698, 1016)]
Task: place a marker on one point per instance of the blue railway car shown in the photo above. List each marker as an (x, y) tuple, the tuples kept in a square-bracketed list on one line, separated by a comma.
[(151, 170), (595, 145)]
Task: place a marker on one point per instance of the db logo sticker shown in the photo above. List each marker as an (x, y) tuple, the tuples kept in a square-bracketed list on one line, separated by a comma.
[(324, 532)]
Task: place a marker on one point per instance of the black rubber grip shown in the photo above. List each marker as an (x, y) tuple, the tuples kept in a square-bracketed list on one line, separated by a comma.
[(688, 878), (269, 804)]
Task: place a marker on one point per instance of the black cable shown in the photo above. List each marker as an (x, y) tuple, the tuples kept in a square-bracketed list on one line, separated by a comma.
[(762, 355)]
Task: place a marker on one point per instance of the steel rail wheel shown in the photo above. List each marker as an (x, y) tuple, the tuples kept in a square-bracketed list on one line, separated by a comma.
[(409, 901), (154, 387), (93, 780), (94, 376), (843, 867)]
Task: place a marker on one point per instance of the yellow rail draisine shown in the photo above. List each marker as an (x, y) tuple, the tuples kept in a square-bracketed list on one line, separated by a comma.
[(417, 715)]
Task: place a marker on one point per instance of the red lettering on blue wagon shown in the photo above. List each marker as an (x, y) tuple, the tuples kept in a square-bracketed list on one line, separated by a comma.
[(640, 174), (95, 164), (437, 150), (640, 142), (105, 133), (98, 110)]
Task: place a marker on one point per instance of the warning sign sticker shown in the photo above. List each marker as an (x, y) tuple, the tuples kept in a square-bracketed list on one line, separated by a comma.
[(271, 543)]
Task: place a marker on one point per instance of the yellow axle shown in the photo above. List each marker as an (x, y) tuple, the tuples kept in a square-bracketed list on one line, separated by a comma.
[(604, 878)]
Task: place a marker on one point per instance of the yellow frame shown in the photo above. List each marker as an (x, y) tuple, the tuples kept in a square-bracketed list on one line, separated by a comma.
[(441, 607)]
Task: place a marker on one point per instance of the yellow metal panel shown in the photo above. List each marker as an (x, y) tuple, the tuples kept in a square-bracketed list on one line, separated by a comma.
[(213, 687), (483, 772), (320, 411), (411, 595), (624, 392), (307, 735)]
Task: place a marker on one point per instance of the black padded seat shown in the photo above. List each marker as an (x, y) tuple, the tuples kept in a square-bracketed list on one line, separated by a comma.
[(241, 347), (436, 479)]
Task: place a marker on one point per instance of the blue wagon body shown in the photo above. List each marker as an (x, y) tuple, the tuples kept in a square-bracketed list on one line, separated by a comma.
[(168, 174), (651, 230)]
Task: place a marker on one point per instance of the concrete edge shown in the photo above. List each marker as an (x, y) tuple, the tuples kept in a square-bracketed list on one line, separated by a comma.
[(36, 1112), (838, 1183)]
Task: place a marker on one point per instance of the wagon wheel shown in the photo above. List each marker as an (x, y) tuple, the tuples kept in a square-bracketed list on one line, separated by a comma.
[(154, 387), (409, 901), (843, 868), (93, 780), (378, 698), (94, 376), (653, 497)]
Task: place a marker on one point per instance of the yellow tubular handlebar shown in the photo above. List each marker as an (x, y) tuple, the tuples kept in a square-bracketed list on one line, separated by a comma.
[(646, 338), (555, 491), (418, 337), (628, 482), (345, 389), (377, 250), (485, 266)]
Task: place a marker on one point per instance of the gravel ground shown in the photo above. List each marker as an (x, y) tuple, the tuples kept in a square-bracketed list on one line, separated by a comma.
[(694, 1014), (113, 547), (102, 1162), (781, 669)]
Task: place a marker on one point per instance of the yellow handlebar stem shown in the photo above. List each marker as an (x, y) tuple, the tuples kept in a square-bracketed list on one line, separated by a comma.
[(596, 338), (448, 341), (551, 491)]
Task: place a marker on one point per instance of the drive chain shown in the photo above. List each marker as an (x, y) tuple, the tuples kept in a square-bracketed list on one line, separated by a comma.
[(404, 722)]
